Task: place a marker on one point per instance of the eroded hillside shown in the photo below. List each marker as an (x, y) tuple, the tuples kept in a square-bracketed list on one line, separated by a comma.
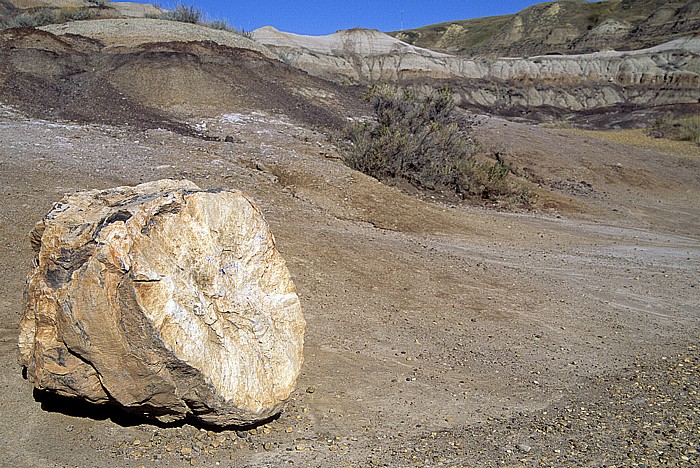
[(563, 27), (130, 79), (587, 87)]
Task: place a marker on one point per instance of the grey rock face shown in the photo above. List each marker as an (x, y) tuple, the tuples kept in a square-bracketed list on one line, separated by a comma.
[(662, 75)]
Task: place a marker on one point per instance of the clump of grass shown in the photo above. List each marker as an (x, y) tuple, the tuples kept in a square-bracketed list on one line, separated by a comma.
[(38, 18), (689, 129), (75, 14), (183, 14), (417, 139), (219, 24), (683, 129), (193, 15), (223, 25), (561, 123)]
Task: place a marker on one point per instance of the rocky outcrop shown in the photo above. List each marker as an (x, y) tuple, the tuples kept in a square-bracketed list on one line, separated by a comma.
[(350, 57), (604, 36), (662, 75), (149, 85), (165, 299), (367, 56)]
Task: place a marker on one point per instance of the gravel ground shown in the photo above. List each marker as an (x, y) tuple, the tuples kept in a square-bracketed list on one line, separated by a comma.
[(438, 335), (647, 415), (644, 416)]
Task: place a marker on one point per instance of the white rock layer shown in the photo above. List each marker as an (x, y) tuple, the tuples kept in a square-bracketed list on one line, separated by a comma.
[(663, 75)]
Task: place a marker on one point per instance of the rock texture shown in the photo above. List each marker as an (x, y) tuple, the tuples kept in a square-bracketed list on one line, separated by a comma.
[(666, 74), (165, 299), (352, 56)]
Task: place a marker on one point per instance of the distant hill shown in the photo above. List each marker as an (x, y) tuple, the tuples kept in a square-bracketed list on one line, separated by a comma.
[(563, 27)]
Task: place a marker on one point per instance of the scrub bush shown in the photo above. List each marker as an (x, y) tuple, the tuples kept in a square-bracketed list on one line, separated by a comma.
[(183, 14), (416, 138)]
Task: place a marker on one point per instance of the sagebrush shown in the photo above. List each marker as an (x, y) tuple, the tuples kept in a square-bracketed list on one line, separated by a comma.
[(183, 14), (414, 136), (688, 129), (190, 14), (682, 129)]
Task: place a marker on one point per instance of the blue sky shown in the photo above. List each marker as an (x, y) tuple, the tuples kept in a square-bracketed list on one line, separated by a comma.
[(318, 17)]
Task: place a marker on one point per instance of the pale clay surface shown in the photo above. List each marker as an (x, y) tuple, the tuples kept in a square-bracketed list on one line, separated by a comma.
[(164, 298), (359, 56), (132, 32)]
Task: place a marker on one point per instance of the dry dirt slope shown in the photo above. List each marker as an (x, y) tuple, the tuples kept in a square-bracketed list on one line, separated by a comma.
[(429, 326), (438, 335), (143, 81)]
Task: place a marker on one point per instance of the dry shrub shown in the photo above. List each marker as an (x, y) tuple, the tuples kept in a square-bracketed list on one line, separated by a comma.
[(194, 15), (183, 14), (682, 129), (40, 17), (416, 138), (689, 129)]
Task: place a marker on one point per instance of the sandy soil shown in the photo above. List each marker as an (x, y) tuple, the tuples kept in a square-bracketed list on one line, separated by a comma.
[(438, 334)]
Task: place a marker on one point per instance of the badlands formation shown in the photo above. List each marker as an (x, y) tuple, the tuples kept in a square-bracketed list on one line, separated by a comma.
[(562, 332), (662, 75)]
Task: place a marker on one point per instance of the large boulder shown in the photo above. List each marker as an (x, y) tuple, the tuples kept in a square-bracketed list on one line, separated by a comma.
[(166, 299)]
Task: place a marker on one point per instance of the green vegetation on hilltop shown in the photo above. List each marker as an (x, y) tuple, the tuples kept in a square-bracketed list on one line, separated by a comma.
[(455, 36), (565, 26), (190, 14), (183, 14), (12, 17), (45, 16)]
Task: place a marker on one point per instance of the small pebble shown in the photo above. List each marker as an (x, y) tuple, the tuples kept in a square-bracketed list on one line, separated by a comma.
[(523, 448)]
